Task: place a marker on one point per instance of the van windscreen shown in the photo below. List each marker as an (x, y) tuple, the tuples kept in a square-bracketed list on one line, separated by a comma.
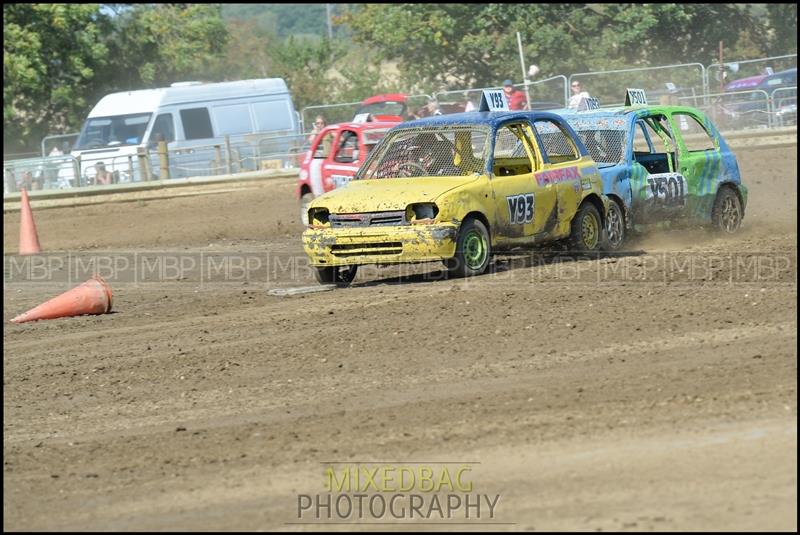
[(113, 131)]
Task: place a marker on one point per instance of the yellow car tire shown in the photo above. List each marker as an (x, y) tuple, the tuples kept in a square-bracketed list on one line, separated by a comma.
[(587, 229), (338, 275), (473, 250)]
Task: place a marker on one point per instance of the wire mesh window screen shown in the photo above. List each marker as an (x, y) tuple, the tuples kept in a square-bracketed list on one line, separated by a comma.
[(427, 152), (555, 142), (508, 144), (604, 146)]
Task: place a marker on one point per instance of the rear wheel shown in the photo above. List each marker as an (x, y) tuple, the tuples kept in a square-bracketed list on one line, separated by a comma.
[(586, 228), (305, 200), (726, 215), (615, 227), (473, 249), (338, 275)]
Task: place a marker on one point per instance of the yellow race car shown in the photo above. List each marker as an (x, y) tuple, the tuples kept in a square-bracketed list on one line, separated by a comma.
[(457, 188)]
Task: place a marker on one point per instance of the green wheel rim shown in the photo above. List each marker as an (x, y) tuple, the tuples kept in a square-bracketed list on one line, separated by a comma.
[(474, 249), (590, 229)]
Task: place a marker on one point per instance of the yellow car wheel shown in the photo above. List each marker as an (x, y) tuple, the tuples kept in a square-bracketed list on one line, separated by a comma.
[(473, 250), (586, 228), (338, 275)]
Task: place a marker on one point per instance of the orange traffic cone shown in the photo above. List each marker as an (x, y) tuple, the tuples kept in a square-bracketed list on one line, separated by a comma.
[(28, 239), (91, 297)]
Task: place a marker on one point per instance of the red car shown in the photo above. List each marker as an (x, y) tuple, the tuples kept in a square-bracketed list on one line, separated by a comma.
[(336, 154), (390, 107)]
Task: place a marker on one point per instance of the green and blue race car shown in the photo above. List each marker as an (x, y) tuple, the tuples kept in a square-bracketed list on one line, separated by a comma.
[(661, 163)]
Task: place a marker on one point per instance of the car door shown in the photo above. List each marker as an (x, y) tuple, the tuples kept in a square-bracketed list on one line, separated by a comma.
[(699, 161), (658, 190), (561, 172), (523, 207), (341, 165)]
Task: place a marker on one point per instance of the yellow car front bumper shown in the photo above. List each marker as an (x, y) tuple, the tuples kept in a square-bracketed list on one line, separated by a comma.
[(381, 245)]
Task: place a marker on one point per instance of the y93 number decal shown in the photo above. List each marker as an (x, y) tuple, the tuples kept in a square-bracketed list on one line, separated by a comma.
[(520, 208)]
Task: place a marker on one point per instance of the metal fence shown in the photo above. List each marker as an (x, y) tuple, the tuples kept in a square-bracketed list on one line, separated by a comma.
[(59, 143), (660, 83), (784, 106), (734, 111), (235, 155), (686, 84), (746, 68), (550, 93)]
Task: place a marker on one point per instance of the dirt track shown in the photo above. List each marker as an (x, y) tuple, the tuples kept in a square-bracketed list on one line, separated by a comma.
[(653, 391)]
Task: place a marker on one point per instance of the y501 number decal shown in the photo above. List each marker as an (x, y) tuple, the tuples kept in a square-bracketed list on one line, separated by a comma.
[(667, 189), (520, 208)]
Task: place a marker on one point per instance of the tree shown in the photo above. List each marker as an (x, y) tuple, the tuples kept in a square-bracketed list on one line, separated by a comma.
[(461, 45), (51, 56), (782, 20), (154, 45)]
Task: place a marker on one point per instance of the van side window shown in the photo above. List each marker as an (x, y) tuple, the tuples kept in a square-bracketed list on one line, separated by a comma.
[(275, 115), (196, 123), (233, 119), (164, 127)]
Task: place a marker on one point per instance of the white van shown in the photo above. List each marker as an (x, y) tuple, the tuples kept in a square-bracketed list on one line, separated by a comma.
[(190, 117)]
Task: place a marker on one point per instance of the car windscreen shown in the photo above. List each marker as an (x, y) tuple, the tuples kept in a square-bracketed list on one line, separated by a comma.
[(603, 138), (429, 151), (113, 131)]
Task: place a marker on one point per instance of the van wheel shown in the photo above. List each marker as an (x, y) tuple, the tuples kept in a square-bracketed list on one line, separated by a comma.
[(305, 200), (473, 250), (615, 227), (726, 215), (586, 229), (339, 275)]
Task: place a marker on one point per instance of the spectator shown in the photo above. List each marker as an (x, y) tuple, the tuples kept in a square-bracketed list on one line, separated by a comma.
[(468, 105), (432, 108), (10, 181), (319, 124), (102, 177), (26, 182), (516, 98), (577, 95)]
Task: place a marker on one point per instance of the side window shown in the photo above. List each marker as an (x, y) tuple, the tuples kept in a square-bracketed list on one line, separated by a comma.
[(325, 144), (348, 147), (511, 151), (557, 145), (273, 115), (640, 143), (196, 123), (163, 127), (694, 134), (660, 133), (233, 119)]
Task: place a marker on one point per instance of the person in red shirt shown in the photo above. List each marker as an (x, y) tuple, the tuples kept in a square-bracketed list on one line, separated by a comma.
[(516, 99)]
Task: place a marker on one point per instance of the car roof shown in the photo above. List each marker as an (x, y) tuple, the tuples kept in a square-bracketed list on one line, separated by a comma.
[(630, 111), (488, 118), (750, 81)]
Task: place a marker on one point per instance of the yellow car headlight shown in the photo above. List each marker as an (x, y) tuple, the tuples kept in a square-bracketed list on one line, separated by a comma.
[(318, 217), (421, 213)]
